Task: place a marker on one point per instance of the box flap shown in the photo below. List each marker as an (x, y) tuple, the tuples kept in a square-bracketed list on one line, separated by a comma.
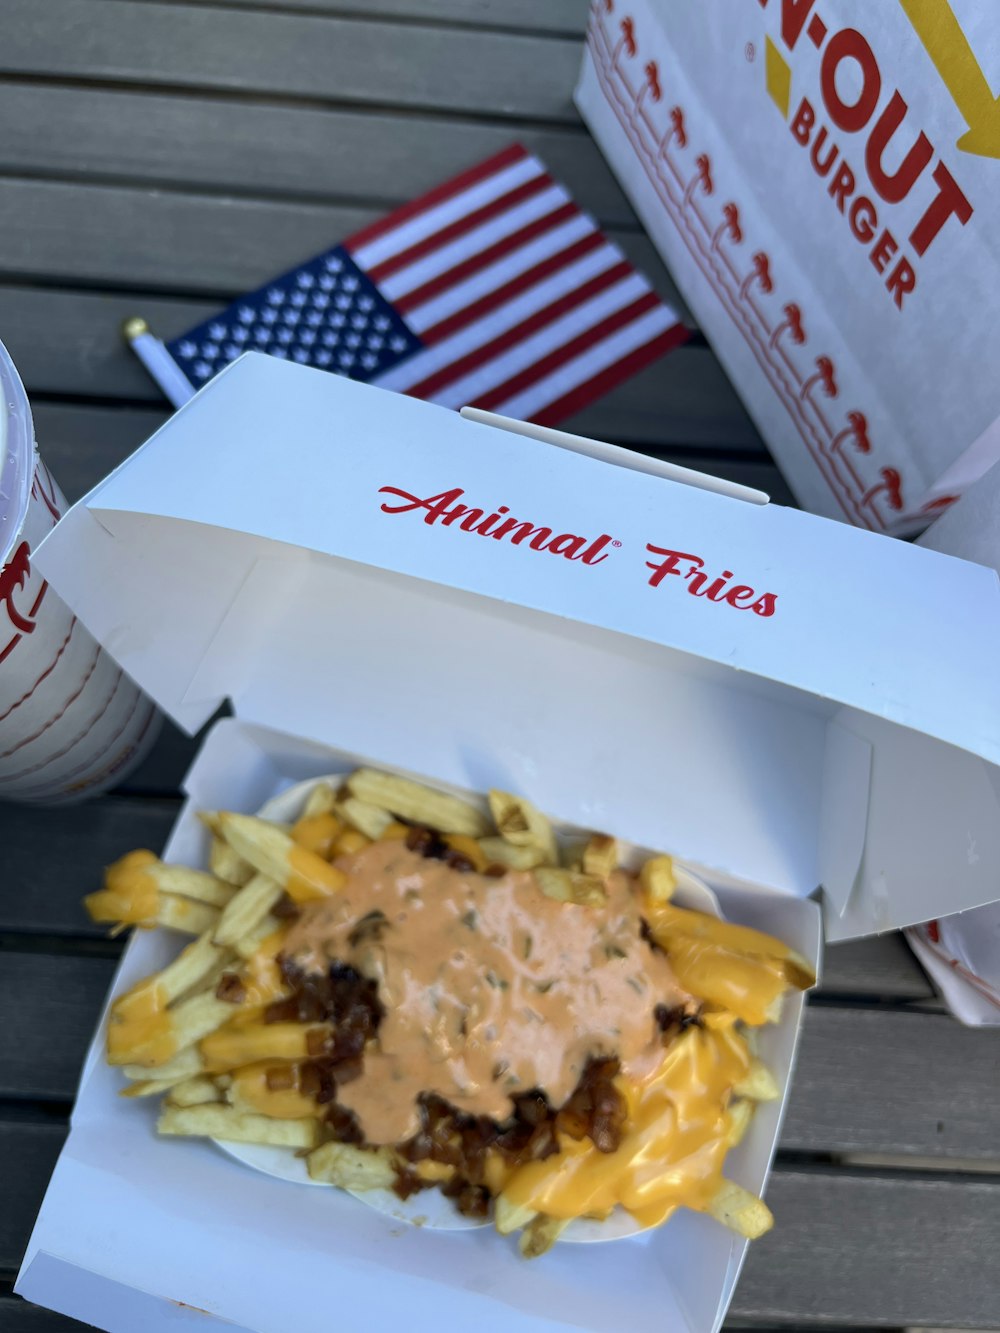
[(382, 574)]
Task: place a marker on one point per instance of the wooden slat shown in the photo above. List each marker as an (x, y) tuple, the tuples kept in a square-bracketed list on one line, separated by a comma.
[(52, 857), (136, 238), (868, 1249), (293, 55), (82, 444), (895, 1083), (28, 1153), (881, 965), (566, 17), (301, 152), (57, 999), (849, 1247)]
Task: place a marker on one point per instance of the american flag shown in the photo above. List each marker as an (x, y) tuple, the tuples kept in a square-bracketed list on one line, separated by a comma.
[(494, 289)]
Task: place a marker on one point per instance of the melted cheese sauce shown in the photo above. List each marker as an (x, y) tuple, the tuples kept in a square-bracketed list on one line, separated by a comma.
[(675, 1140), (734, 967), (489, 987), (139, 1030), (130, 894)]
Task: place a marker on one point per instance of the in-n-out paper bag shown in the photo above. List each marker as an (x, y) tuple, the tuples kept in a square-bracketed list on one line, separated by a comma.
[(824, 180)]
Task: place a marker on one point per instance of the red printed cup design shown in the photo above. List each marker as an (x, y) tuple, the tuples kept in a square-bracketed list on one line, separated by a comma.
[(71, 722)]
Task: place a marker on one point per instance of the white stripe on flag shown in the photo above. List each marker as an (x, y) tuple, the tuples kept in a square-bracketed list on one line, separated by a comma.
[(500, 319), (498, 274), (547, 340), (464, 247), (620, 344), (425, 224)]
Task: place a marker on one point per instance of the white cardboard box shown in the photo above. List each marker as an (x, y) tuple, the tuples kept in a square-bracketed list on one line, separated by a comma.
[(844, 735)]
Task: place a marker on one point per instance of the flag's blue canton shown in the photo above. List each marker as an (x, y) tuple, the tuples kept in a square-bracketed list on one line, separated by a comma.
[(326, 314)]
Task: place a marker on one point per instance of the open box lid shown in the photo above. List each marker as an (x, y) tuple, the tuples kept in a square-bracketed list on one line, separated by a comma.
[(821, 709)]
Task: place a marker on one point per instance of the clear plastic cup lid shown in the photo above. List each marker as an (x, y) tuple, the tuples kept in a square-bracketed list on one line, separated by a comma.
[(17, 454)]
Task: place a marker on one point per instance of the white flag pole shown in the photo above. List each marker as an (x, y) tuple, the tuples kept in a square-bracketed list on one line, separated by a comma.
[(158, 361)]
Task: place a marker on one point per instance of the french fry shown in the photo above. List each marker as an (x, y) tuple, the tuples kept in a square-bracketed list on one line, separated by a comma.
[(600, 856), (422, 805), (508, 1217), (303, 874), (225, 864), (758, 1084), (192, 965), (371, 820), (657, 878), (350, 841), (237, 1046), (741, 1211), (498, 851), (353, 1168), (571, 886), (182, 1066), (225, 1122), (244, 913), (197, 1091), (139, 1037), (141, 890), (740, 1116), (322, 800), (192, 1020), (176, 913), (520, 823), (540, 1235), (196, 884), (149, 1087), (248, 944)]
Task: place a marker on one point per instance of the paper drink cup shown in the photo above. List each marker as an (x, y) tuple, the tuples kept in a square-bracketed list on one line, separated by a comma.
[(71, 722)]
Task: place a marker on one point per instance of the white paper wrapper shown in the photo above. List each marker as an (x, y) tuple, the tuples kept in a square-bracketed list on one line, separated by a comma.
[(71, 721)]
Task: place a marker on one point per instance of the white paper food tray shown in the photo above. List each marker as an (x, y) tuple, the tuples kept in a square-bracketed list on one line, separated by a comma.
[(246, 551)]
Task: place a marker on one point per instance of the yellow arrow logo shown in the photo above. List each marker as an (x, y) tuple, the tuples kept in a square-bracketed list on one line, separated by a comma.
[(947, 45)]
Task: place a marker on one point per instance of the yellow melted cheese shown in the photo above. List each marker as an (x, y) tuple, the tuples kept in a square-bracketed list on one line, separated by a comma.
[(130, 894), (673, 1147), (139, 1029)]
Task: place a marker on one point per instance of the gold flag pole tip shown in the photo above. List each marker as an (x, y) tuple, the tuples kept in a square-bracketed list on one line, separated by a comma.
[(134, 327)]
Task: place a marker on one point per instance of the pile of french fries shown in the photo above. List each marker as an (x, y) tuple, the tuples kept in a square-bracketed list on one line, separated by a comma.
[(194, 1031)]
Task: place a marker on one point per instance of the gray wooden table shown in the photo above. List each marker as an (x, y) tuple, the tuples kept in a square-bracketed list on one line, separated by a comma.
[(160, 156)]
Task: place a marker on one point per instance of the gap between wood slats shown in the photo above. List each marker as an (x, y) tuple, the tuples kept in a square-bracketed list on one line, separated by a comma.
[(550, 18), (460, 69)]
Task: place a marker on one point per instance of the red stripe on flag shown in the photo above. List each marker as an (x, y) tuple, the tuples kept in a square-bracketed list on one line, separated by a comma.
[(510, 289), (485, 257), (519, 332), (490, 401), (577, 399), (515, 153), (536, 185)]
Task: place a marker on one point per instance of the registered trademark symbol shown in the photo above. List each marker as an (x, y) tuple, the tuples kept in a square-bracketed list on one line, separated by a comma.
[(750, 51), (616, 543)]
